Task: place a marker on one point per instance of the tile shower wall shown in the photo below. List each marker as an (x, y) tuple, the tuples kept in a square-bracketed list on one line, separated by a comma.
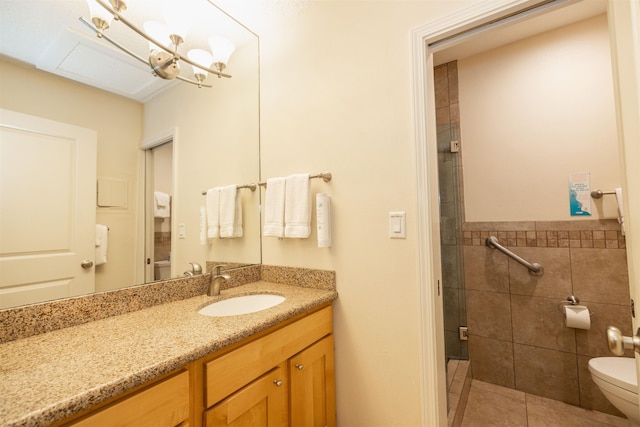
[(451, 207), (517, 336)]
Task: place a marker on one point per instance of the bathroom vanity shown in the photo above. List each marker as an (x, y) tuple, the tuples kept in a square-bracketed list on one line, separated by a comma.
[(169, 365)]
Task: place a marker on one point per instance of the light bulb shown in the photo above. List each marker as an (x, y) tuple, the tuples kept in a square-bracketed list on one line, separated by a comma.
[(222, 50), (98, 12), (159, 32), (201, 57)]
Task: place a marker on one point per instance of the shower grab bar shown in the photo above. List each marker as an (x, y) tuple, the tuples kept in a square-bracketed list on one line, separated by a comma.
[(534, 268)]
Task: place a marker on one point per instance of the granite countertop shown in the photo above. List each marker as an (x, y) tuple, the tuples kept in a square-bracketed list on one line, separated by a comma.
[(48, 377)]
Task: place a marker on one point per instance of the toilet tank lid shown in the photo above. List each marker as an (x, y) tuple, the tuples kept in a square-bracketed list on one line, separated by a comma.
[(620, 371), (162, 263)]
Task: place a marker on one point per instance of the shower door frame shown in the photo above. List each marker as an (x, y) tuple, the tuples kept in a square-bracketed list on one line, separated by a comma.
[(624, 20)]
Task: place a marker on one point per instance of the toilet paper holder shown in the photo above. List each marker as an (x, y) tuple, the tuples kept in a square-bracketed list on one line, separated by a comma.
[(571, 300)]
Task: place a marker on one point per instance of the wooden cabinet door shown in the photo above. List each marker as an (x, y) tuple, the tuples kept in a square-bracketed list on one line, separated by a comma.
[(263, 403), (313, 386)]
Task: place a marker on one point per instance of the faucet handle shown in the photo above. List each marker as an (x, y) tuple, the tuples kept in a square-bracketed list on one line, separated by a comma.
[(196, 269), (216, 269)]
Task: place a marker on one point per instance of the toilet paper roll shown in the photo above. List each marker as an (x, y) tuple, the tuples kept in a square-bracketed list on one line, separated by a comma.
[(577, 316)]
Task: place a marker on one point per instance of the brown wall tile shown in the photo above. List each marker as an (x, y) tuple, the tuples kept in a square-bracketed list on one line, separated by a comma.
[(489, 314), (600, 275), (539, 322), (556, 280), (485, 269), (547, 373), (592, 342), (492, 361)]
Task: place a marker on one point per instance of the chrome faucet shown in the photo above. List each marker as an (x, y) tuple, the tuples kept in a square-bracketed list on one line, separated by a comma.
[(216, 279)]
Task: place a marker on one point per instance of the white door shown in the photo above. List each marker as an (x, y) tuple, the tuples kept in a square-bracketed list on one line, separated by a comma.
[(47, 209), (624, 29)]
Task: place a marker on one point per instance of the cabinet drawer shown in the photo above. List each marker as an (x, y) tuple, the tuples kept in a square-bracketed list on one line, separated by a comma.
[(238, 368), (163, 404)]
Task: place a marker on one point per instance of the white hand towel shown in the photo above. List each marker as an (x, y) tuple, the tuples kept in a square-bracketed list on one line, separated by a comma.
[(230, 212), (162, 205), (102, 238), (203, 225), (297, 207), (274, 208), (620, 209), (213, 212)]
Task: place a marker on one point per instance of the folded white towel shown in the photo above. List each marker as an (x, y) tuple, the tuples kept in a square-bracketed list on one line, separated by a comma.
[(620, 209), (213, 212), (203, 225), (297, 207), (162, 205), (230, 212), (274, 208), (102, 238)]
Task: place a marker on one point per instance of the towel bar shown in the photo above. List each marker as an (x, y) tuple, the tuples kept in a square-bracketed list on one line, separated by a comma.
[(597, 194)]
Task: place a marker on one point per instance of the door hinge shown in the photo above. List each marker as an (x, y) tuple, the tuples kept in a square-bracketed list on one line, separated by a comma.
[(633, 309)]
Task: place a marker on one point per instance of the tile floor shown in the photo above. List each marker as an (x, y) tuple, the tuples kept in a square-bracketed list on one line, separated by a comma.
[(492, 405)]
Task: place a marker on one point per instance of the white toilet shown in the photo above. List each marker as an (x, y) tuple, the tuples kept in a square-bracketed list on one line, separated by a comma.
[(162, 270), (616, 378)]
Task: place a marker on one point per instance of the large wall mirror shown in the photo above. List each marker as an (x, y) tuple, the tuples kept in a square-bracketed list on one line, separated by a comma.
[(159, 145)]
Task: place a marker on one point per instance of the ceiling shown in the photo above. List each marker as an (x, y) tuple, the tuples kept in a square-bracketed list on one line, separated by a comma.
[(49, 35), (563, 12)]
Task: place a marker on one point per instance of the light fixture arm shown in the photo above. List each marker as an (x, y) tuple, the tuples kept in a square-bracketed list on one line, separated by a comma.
[(134, 55), (176, 56)]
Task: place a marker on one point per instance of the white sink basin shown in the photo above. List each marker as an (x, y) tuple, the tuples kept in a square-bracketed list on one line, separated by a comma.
[(241, 305)]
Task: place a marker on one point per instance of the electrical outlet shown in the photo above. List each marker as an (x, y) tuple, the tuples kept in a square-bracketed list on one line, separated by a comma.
[(463, 333), (455, 146)]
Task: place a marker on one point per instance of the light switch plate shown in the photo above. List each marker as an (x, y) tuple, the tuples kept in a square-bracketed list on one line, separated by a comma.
[(397, 225)]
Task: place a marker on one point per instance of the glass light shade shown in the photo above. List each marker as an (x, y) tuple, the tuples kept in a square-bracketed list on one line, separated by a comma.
[(97, 11), (157, 31), (221, 48), (203, 58)]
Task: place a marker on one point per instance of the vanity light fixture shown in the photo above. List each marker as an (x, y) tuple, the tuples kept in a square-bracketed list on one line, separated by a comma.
[(164, 40)]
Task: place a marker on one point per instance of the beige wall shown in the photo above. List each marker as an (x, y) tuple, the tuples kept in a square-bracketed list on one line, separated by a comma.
[(336, 96), (532, 113), (217, 144), (118, 123)]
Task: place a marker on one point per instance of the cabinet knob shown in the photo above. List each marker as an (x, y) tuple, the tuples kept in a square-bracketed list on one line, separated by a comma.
[(299, 366), (278, 383)]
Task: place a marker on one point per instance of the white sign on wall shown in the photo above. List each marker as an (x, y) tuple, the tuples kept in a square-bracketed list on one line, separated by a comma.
[(580, 194)]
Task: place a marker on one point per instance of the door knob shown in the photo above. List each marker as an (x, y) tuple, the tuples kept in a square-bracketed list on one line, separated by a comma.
[(87, 263), (619, 343)]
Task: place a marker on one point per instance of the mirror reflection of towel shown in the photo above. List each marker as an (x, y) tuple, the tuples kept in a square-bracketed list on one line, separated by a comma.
[(274, 208), (213, 212), (230, 212), (162, 205), (102, 238)]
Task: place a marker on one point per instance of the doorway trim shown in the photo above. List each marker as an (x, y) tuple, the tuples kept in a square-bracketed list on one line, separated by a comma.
[(145, 198), (433, 378)]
